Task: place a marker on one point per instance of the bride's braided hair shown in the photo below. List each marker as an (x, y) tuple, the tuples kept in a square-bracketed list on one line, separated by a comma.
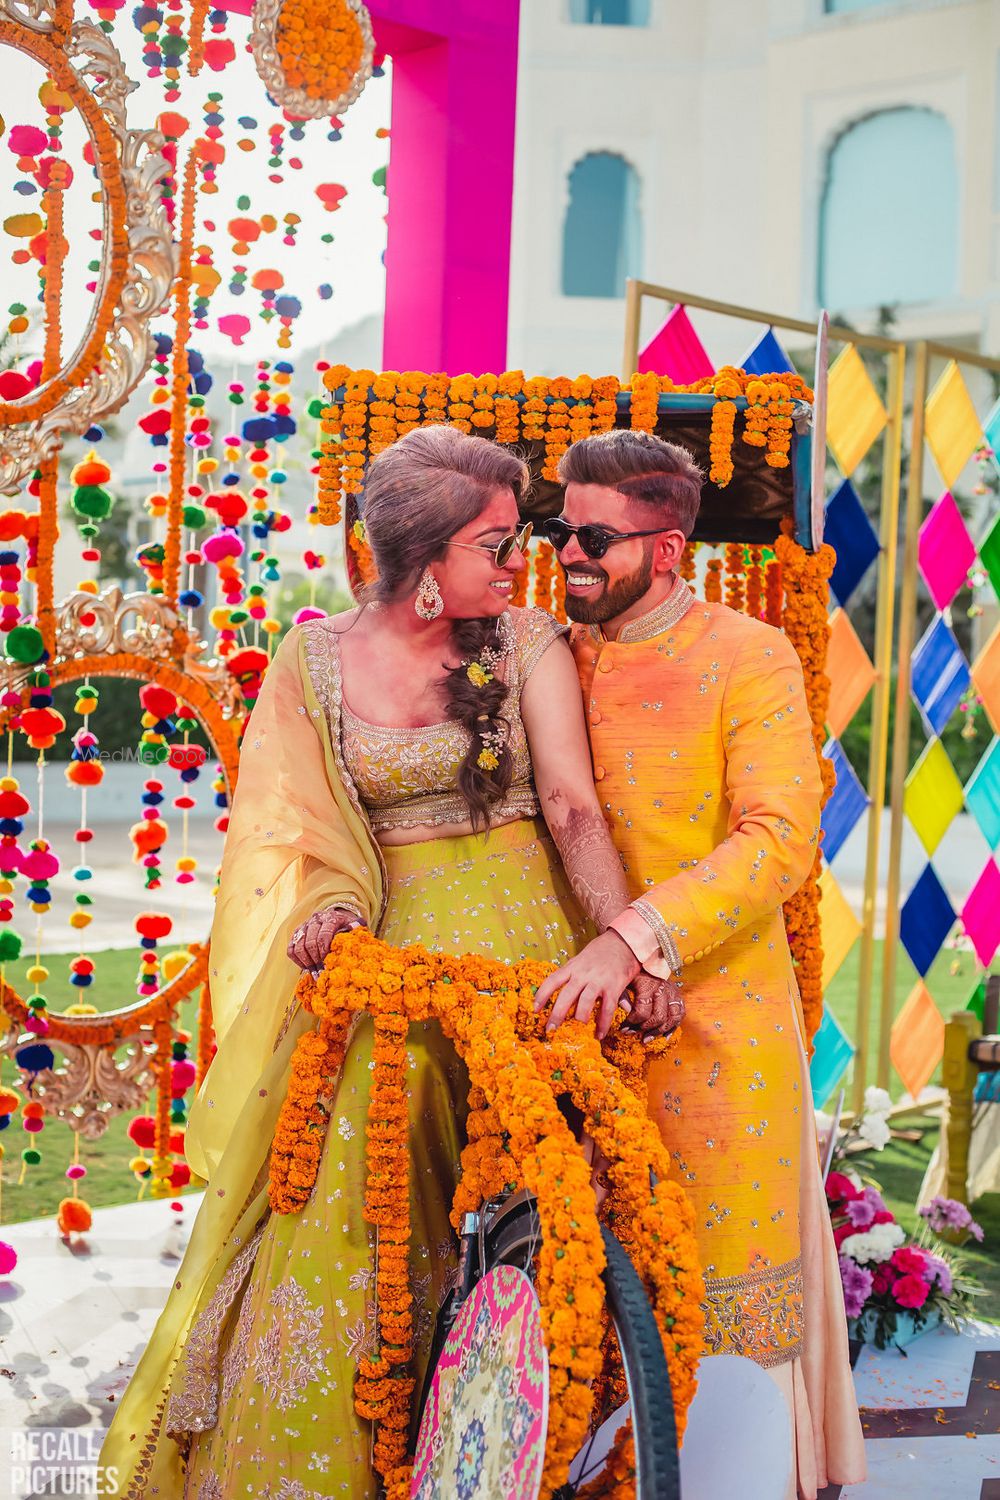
[(418, 493)]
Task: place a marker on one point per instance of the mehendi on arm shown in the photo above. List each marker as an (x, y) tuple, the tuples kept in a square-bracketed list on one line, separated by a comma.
[(589, 858)]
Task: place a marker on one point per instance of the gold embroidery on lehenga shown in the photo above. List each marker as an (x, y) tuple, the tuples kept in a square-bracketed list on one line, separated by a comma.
[(194, 1397), (289, 1356), (758, 1315), (289, 1489), (143, 1464)]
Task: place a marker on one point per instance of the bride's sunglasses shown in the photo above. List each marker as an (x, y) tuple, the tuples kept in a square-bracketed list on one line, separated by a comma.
[(594, 540), (503, 551)]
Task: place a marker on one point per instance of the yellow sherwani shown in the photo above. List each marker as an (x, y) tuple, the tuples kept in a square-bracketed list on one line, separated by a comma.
[(705, 767)]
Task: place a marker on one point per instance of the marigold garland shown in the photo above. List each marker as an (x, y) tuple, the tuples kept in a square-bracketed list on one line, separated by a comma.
[(755, 583), (806, 582), (56, 250), (735, 595), (48, 535), (687, 567), (713, 581), (720, 442), (206, 1032), (774, 594), (544, 566), (517, 1136), (196, 36), (179, 384), (50, 52), (559, 602), (321, 46)]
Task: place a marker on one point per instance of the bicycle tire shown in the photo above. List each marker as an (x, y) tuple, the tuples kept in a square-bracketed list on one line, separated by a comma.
[(511, 1241)]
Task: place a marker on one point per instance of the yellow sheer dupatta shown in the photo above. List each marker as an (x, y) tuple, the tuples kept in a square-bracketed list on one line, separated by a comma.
[(298, 840)]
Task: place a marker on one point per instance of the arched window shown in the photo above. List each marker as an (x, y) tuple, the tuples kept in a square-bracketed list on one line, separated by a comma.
[(609, 12), (602, 229), (889, 213)]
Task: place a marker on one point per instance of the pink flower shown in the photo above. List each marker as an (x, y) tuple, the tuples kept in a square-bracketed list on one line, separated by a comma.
[(843, 1233), (840, 1189), (863, 1209), (941, 1273), (911, 1291), (885, 1279), (909, 1261), (857, 1284)]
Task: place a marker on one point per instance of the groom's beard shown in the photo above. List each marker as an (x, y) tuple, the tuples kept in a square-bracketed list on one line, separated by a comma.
[(614, 598)]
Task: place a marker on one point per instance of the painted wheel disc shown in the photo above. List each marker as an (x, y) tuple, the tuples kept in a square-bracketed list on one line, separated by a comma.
[(482, 1436)]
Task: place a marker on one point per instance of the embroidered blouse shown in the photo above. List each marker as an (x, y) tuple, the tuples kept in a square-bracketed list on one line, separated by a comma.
[(408, 777)]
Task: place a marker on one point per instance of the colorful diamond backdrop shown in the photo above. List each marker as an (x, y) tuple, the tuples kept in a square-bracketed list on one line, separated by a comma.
[(856, 420), (948, 686)]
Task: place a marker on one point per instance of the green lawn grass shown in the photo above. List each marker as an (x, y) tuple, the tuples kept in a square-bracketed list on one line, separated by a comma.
[(108, 1179)]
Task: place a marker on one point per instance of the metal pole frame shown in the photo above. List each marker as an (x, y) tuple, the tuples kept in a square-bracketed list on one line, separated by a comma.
[(878, 755)]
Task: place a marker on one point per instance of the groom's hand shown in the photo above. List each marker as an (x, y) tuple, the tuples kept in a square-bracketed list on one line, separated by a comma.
[(657, 1007), (597, 977)]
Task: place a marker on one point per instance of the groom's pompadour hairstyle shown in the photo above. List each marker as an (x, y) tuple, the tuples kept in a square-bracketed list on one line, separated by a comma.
[(640, 466)]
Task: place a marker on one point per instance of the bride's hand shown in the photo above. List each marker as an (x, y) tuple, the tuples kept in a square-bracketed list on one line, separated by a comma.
[(310, 943)]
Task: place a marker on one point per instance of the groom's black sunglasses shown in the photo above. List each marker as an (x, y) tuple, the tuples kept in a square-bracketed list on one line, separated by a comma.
[(594, 540)]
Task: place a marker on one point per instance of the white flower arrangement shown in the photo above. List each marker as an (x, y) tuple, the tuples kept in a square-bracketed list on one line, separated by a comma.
[(875, 1245)]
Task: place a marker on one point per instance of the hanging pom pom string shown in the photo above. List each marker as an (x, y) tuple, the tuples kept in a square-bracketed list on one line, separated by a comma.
[(188, 760), (151, 927), (75, 1216), (162, 1158), (142, 1133), (10, 1101)]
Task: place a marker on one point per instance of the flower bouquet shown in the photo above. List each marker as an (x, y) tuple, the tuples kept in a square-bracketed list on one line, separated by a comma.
[(894, 1287)]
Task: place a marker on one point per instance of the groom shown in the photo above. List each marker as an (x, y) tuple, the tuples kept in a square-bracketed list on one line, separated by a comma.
[(706, 771)]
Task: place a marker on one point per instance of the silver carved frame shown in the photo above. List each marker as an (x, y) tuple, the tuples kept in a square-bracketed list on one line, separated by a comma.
[(128, 350), (264, 21), (92, 1081)]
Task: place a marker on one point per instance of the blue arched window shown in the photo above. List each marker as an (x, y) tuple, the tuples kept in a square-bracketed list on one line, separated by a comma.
[(889, 212), (602, 229), (609, 12)]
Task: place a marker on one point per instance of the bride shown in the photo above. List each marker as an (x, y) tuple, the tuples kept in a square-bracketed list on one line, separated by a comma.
[(418, 764)]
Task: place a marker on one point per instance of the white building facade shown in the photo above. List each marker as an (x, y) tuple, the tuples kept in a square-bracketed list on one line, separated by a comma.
[(781, 154)]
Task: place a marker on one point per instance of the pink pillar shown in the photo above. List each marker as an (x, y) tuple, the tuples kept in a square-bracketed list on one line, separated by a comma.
[(451, 180)]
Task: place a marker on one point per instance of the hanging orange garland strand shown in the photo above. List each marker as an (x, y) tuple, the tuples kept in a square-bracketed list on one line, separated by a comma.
[(806, 579), (755, 584), (179, 385), (56, 249), (196, 36)]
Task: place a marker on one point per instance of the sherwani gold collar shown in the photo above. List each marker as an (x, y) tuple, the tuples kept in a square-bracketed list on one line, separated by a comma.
[(661, 617)]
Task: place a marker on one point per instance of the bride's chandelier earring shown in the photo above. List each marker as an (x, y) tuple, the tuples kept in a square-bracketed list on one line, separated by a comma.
[(428, 603)]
